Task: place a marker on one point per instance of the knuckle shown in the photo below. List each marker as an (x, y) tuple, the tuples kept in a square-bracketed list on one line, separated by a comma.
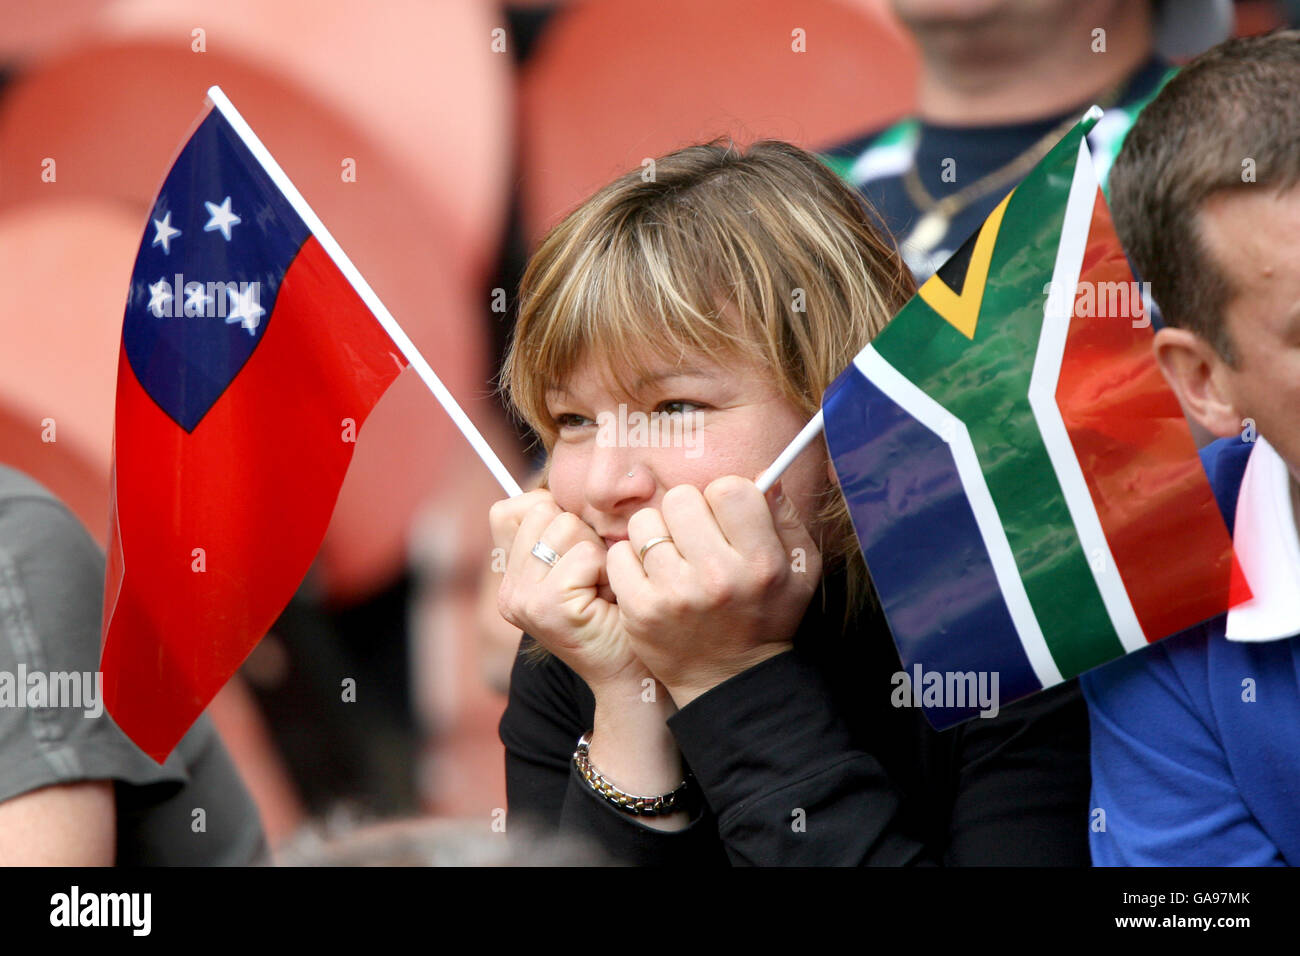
[(638, 616), (548, 509), (506, 606), (565, 528), (680, 601), (680, 495), (768, 572), (727, 486), (503, 516), (534, 608), (719, 588), (643, 522), (583, 551)]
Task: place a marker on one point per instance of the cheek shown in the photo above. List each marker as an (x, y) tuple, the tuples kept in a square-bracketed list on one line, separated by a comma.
[(679, 470), (1271, 396), (567, 477), (805, 482), (1266, 385)]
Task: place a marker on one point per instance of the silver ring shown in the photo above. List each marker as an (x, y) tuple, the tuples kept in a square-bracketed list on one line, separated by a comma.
[(546, 553), (652, 542)]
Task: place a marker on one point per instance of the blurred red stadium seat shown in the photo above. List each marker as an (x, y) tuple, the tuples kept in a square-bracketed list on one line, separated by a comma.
[(616, 81), (31, 29), (418, 79), (63, 265)]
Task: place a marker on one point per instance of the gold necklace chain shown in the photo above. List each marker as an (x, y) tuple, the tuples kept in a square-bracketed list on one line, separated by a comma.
[(959, 200), (939, 213)]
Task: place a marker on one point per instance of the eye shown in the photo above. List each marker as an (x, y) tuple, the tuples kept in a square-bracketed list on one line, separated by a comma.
[(673, 407), (569, 420)]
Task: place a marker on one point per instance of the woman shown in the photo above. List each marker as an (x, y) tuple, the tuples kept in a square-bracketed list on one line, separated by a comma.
[(718, 651)]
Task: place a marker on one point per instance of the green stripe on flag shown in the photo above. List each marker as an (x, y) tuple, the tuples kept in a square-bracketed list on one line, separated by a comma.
[(984, 382)]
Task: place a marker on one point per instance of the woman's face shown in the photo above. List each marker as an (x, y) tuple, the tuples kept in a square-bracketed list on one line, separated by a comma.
[(687, 422)]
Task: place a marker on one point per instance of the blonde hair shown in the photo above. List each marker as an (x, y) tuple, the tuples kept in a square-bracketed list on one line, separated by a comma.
[(762, 253)]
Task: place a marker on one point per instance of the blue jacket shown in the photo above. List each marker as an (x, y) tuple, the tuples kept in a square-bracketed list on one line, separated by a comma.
[(1196, 739)]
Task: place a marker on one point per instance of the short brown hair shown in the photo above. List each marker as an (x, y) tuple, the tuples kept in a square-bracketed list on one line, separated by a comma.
[(711, 252), (1237, 101)]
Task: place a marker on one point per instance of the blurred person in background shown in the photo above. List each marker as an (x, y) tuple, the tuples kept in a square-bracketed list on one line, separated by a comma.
[(1001, 81), (74, 789), (706, 676)]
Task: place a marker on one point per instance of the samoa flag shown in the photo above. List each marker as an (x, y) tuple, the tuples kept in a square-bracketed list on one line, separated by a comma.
[(248, 363), (1027, 494)]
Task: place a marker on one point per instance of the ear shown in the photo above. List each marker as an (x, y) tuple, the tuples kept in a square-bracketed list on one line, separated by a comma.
[(1200, 378)]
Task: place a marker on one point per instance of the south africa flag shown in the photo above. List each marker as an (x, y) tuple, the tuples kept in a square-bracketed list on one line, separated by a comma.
[(1026, 492)]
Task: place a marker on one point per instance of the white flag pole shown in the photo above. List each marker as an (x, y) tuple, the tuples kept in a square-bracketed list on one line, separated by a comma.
[(367, 294), (801, 441)]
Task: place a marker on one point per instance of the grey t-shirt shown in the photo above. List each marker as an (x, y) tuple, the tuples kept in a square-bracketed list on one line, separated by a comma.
[(51, 605)]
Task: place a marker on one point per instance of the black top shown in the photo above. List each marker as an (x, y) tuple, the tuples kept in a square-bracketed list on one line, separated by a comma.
[(803, 760)]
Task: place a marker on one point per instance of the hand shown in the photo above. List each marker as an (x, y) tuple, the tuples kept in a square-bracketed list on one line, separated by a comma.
[(723, 595), (567, 608)]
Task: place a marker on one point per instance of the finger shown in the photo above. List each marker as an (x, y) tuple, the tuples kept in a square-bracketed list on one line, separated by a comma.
[(566, 531), (694, 530), (506, 515), (742, 515), (562, 598), (524, 566), (793, 534), (627, 576), (642, 528), (575, 573)]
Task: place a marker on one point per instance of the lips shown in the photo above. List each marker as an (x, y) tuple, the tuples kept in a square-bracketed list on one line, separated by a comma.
[(610, 542)]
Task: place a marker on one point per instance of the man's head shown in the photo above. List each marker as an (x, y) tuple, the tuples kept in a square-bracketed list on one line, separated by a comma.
[(1206, 199), (961, 34)]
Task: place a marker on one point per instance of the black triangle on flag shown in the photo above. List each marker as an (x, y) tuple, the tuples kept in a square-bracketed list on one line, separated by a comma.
[(953, 272)]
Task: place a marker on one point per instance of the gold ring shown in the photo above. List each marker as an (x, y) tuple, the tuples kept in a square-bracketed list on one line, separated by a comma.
[(651, 543)]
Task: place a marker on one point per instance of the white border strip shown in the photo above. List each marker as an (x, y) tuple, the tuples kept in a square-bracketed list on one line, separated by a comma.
[(1042, 399), (938, 420), (367, 294)]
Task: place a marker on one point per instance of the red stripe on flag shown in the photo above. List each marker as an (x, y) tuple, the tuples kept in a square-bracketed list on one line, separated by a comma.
[(1136, 452), (253, 486)]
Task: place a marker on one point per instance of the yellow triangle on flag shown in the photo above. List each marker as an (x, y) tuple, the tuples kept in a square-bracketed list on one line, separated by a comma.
[(961, 310)]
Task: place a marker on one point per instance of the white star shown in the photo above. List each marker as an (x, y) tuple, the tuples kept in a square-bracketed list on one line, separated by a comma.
[(163, 232), (222, 218), (244, 308), (160, 296), (195, 299)]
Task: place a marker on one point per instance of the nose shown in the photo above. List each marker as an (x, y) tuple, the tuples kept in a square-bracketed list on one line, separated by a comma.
[(618, 481)]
